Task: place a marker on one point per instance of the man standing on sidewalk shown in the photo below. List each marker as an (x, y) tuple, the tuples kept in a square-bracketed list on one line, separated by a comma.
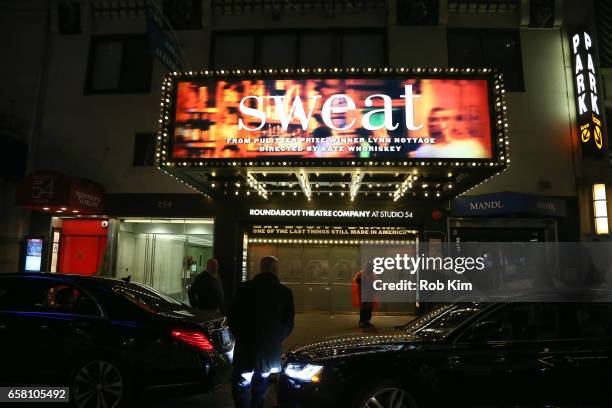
[(260, 318), (361, 285), (206, 291)]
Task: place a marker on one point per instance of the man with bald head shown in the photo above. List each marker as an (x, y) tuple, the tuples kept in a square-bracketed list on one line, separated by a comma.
[(206, 291), (261, 317)]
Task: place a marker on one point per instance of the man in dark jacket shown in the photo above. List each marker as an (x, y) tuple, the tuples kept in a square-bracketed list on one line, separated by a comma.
[(206, 291), (261, 317)]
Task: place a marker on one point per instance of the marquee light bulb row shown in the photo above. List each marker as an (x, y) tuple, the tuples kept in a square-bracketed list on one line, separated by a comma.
[(185, 183), (426, 193), (391, 164), (337, 70), (259, 187), (325, 241), (323, 184), (161, 147)]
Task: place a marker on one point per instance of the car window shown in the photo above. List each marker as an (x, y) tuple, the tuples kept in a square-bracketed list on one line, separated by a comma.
[(440, 322), (85, 305), (44, 295), (594, 320), (522, 322), (145, 298)]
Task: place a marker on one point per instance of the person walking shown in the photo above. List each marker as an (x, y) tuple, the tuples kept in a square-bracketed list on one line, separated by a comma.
[(206, 291), (261, 317), (362, 282)]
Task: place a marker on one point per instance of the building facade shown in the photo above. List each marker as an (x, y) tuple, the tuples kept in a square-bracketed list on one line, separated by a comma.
[(82, 95)]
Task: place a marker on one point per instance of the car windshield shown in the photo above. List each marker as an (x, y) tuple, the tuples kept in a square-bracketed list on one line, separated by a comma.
[(146, 298), (443, 320)]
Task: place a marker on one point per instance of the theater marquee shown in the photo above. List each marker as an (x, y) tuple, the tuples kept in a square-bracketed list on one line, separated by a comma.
[(332, 117)]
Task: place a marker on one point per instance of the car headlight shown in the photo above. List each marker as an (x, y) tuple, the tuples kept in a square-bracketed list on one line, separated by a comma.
[(304, 372)]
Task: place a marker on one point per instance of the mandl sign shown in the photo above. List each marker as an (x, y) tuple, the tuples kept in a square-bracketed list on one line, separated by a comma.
[(392, 117), (161, 44), (508, 203), (588, 114)]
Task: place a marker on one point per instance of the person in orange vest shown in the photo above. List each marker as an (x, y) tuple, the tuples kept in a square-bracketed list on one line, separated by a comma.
[(366, 306)]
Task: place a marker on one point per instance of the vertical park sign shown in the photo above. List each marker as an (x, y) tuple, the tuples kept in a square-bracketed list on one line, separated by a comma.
[(587, 93)]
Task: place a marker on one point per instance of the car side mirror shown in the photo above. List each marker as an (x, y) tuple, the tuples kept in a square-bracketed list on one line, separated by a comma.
[(484, 331)]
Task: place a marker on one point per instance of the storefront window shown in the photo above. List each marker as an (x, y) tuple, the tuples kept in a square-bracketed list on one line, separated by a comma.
[(164, 254)]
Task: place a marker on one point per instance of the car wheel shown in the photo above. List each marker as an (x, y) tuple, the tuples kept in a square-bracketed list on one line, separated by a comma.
[(98, 384), (387, 395)]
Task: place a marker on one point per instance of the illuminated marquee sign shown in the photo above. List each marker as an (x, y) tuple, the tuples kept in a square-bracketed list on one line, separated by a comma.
[(272, 212), (330, 231), (270, 117), (587, 94)]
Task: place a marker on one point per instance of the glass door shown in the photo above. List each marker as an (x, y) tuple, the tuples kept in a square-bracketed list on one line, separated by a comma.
[(164, 254)]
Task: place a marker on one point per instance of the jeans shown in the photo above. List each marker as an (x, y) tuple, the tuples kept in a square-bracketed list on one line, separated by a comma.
[(249, 389)]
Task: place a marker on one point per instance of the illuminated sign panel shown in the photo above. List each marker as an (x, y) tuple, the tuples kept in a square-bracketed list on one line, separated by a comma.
[(33, 260), (587, 94), (272, 212), (321, 118)]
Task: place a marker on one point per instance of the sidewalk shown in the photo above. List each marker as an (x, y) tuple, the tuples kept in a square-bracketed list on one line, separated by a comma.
[(308, 327)]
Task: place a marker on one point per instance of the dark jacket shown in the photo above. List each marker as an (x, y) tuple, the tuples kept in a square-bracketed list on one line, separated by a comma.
[(260, 318), (206, 292)]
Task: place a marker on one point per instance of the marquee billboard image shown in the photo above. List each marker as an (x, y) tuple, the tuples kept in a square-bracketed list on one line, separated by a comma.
[(332, 118)]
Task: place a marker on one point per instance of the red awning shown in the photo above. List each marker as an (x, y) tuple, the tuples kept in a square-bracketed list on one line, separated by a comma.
[(51, 191)]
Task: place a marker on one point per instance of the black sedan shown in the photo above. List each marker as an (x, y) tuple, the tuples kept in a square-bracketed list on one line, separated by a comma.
[(463, 355), (106, 339)]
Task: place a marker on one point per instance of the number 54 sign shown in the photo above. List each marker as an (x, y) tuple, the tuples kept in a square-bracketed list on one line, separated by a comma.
[(43, 188), (48, 190)]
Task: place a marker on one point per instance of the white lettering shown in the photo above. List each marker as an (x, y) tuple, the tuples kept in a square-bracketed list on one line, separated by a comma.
[(576, 42), (594, 104), (587, 41), (582, 104), (387, 111), (486, 205), (328, 109), (335, 104), (297, 109), (580, 84), (251, 112), (579, 66), (590, 64), (409, 106), (592, 83)]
